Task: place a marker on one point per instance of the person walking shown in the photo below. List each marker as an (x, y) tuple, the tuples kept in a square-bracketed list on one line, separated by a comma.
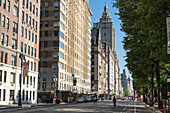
[(95, 100), (114, 101)]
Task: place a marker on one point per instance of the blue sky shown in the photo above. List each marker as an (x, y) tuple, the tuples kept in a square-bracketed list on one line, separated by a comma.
[(97, 8)]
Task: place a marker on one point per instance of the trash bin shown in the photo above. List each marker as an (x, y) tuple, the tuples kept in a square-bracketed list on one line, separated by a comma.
[(54, 101)]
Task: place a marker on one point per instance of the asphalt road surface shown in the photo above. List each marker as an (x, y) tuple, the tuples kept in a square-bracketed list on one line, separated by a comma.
[(105, 106)]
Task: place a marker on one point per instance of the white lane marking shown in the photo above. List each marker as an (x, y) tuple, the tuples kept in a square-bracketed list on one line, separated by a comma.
[(135, 108)]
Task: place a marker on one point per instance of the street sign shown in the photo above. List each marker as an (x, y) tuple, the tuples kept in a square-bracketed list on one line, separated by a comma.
[(168, 34), (25, 69)]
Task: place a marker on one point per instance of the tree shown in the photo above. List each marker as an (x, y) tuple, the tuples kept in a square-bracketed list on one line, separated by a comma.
[(126, 92), (144, 23)]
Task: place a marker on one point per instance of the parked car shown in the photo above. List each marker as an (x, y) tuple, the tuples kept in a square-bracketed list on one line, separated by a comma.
[(48, 101), (89, 99), (81, 99)]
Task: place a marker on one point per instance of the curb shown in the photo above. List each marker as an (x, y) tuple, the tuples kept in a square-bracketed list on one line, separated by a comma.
[(152, 108)]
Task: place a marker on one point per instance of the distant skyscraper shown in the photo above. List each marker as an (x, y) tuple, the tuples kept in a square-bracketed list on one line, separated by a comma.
[(107, 28), (107, 33), (65, 47)]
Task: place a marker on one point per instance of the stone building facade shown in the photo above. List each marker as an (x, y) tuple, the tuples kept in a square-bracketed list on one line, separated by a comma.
[(19, 33), (99, 70)]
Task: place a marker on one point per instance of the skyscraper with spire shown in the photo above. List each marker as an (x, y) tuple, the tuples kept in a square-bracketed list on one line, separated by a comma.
[(107, 33), (107, 28)]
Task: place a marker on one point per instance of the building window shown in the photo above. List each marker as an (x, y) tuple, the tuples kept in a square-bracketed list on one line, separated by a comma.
[(34, 66), (21, 47), (31, 66), (22, 15), (14, 42), (12, 78), (22, 31), (36, 25), (29, 35), (30, 80), (23, 2), (30, 21), (13, 60), (15, 27), (46, 4), (33, 95), (34, 81), (8, 6), (46, 13), (44, 85), (44, 76), (11, 95), (55, 43), (32, 37), (45, 44), (15, 11), (35, 53), (31, 51), (2, 38), (25, 33), (2, 56), (36, 11), (25, 50), (0, 75), (4, 93), (33, 23), (27, 4), (30, 6), (55, 33), (28, 50), (3, 21), (30, 95), (6, 57), (46, 24), (46, 33), (56, 4), (61, 35), (62, 16), (33, 9), (5, 76), (4, 4), (27, 95), (56, 14), (26, 18), (7, 23), (36, 39)]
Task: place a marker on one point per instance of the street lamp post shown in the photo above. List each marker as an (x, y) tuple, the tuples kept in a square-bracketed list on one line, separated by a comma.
[(21, 56)]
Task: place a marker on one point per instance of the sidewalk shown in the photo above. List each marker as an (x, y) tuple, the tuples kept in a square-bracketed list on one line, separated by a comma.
[(154, 108), (25, 105)]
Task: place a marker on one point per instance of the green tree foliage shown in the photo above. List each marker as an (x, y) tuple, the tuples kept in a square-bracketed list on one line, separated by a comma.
[(144, 23), (126, 92)]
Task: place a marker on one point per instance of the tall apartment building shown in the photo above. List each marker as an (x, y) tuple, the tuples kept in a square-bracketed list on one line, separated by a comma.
[(107, 34), (19, 30), (124, 79), (65, 47)]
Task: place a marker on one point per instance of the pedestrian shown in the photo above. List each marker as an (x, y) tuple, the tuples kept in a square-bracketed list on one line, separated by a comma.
[(114, 101), (95, 100)]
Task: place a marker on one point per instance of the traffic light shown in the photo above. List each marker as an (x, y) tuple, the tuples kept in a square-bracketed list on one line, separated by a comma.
[(74, 81)]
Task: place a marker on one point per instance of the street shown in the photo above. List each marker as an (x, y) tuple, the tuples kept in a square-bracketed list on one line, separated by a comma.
[(105, 106)]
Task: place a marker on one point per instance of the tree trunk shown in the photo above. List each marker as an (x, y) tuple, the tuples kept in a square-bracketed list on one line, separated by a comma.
[(158, 85), (152, 88)]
